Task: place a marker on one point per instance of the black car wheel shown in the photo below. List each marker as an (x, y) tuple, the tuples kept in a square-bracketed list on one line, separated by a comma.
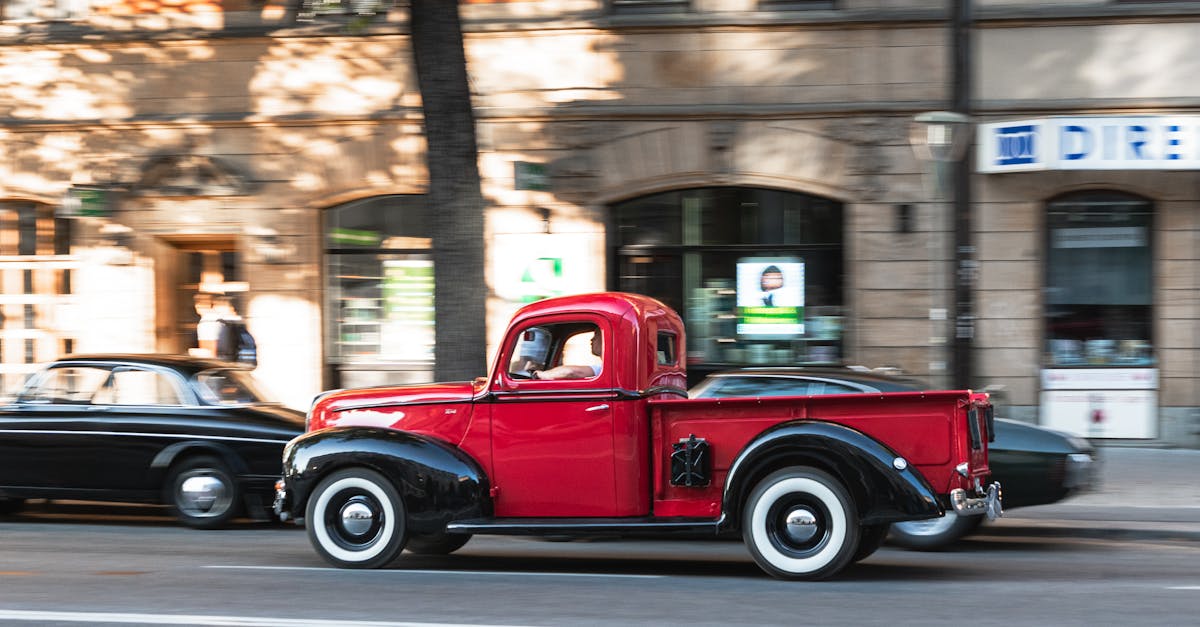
[(202, 492), (436, 543), (933, 534), (355, 519), (11, 506), (800, 523)]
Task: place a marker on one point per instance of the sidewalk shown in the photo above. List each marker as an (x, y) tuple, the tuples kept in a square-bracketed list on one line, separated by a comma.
[(1143, 494)]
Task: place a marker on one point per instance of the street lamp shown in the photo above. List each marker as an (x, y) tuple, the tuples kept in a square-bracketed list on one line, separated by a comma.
[(940, 139), (940, 136)]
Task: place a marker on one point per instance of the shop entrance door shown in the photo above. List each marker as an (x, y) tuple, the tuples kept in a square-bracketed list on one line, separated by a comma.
[(196, 272)]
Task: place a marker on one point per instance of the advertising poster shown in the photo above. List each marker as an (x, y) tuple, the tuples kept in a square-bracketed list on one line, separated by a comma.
[(770, 297)]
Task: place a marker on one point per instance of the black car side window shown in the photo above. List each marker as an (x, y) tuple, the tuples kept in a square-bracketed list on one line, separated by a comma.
[(68, 384), (130, 386)]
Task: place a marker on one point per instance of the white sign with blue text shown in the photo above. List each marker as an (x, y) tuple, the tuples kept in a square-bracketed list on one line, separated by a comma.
[(1090, 143)]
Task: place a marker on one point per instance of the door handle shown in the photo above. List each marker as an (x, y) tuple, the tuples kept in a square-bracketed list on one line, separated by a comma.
[(597, 407)]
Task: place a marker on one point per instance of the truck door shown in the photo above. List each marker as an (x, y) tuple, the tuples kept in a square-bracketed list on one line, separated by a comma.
[(552, 438)]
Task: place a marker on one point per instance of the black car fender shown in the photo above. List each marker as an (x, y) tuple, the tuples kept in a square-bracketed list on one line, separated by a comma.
[(885, 488), (166, 457), (437, 482)]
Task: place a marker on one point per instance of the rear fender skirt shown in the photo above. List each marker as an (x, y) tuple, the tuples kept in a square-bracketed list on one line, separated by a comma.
[(882, 492), (438, 482)]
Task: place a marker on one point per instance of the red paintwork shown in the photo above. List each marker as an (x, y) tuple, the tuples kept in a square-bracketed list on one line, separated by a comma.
[(601, 447)]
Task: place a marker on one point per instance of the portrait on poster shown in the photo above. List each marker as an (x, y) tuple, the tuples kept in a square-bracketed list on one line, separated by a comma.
[(770, 296)]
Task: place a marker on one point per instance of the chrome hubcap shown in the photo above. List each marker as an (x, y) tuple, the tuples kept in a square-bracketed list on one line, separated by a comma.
[(357, 518), (201, 493), (800, 525)]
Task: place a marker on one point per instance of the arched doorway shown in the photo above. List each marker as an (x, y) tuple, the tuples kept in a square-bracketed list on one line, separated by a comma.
[(1099, 374)]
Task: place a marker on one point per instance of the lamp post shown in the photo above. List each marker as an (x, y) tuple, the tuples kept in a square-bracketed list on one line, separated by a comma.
[(942, 137)]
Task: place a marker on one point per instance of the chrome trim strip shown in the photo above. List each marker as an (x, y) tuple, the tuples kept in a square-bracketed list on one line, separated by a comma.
[(185, 436)]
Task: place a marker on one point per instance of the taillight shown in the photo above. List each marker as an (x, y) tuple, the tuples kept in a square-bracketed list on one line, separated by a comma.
[(973, 429)]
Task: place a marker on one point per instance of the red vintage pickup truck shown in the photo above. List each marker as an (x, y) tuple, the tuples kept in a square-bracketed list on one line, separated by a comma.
[(810, 482)]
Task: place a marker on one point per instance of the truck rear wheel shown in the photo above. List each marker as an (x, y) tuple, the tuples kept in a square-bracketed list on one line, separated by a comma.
[(799, 523), (355, 519)]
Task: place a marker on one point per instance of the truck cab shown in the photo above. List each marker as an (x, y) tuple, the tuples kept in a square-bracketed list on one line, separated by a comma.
[(584, 427)]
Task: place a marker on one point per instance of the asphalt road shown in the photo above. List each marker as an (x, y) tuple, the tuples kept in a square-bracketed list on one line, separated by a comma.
[(132, 566)]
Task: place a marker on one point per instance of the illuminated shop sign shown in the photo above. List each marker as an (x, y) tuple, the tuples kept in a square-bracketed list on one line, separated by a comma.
[(1090, 143)]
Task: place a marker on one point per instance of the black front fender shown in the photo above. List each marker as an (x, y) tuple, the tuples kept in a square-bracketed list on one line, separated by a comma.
[(882, 492), (438, 482)]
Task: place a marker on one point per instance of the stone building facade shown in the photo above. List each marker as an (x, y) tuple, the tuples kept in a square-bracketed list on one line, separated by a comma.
[(674, 148)]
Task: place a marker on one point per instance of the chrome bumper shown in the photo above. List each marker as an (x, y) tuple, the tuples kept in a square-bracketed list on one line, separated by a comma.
[(988, 503)]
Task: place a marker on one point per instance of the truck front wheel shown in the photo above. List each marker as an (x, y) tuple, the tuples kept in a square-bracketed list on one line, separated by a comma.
[(799, 523), (355, 519)]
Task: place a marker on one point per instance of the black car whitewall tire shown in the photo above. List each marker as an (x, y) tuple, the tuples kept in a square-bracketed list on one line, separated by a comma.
[(202, 492), (933, 534), (355, 519), (800, 523)]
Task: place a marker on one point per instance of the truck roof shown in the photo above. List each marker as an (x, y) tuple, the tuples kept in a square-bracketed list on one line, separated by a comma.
[(617, 304)]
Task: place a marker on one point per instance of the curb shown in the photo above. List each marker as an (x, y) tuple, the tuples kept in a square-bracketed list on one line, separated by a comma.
[(1116, 530)]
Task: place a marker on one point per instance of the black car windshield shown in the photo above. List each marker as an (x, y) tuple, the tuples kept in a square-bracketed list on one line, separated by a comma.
[(230, 387)]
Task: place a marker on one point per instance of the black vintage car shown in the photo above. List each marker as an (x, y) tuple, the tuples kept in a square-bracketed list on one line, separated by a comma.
[(194, 434), (1034, 465)]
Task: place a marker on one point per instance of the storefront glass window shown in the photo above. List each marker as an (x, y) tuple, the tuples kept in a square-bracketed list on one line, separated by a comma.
[(756, 273), (380, 307), (1099, 281)]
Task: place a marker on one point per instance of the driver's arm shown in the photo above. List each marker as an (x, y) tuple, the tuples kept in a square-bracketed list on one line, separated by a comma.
[(564, 372)]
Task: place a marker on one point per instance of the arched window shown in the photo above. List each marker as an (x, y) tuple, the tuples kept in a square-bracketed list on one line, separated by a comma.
[(379, 291), (1099, 280), (756, 273)]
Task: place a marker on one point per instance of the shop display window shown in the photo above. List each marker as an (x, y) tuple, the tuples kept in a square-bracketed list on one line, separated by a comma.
[(1099, 281), (379, 296), (715, 254)]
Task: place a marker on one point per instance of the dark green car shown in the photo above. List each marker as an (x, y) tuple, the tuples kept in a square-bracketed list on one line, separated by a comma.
[(1035, 465)]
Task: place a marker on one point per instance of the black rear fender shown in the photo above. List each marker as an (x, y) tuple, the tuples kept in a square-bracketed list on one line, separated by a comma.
[(439, 483), (882, 492)]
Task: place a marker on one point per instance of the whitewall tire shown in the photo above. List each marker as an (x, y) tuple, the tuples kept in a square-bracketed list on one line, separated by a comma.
[(800, 523), (355, 519)]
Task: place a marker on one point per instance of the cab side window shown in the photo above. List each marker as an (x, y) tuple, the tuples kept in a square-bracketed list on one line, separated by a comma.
[(567, 350)]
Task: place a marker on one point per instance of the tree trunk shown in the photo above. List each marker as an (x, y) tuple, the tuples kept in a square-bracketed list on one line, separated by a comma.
[(455, 199)]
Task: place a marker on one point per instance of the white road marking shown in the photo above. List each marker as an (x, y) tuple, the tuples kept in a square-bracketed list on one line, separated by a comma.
[(193, 619), (441, 572), (1183, 588)]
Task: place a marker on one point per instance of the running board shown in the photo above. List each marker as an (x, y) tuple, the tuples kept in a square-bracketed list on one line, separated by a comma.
[(583, 526)]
